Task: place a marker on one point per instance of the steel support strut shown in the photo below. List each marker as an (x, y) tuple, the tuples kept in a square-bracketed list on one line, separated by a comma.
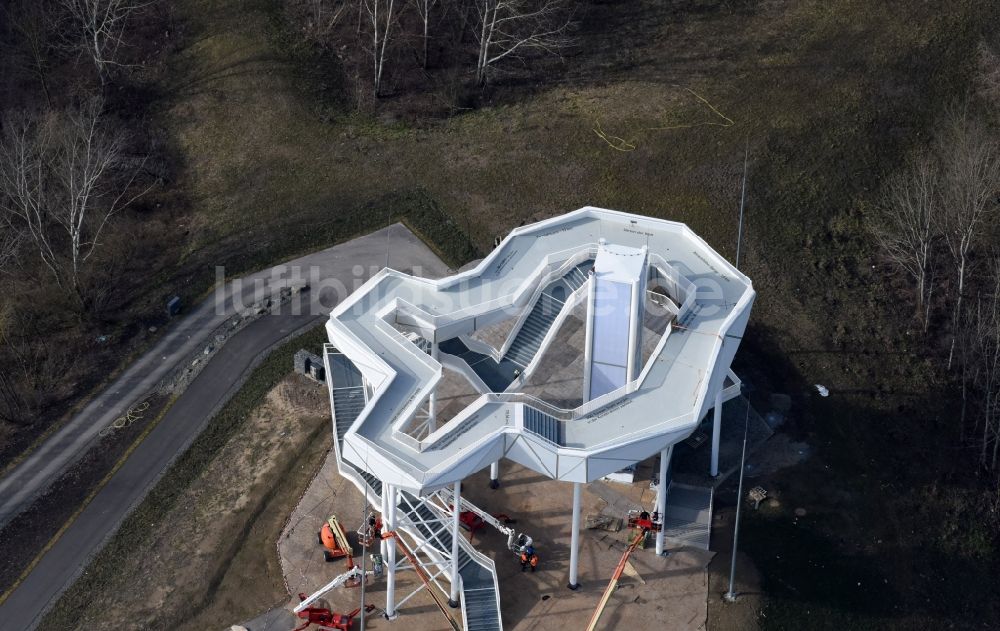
[(574, 546), (456, 532)]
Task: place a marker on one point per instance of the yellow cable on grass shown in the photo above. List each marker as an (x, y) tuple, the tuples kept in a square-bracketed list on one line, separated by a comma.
[(620, 144)]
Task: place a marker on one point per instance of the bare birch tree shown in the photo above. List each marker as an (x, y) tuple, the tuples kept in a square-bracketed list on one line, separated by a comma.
[(904, 225), (381, 17), (62, 180), (10, 243), (24, 184), (100, 27), (31, 22), (984, 338), (970, 162), (424, 8), (988, 78), (321, 16), (510, 28)]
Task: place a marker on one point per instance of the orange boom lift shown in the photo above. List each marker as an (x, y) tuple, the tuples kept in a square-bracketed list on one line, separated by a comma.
[(334, 540)]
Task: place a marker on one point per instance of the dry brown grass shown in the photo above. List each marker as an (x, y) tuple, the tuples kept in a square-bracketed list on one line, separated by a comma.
[(210, 559)]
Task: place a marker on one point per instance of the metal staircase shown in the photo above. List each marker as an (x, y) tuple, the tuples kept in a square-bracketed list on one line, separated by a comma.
[(498, 375), (577, 276), (349, 401), (481, 607), (480, 603), (543, 314), (534, 329), (687, 519), (540, 423)]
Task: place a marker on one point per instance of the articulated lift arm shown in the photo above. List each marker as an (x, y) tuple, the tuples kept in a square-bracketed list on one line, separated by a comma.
[(614, 580), (515, 542), (353, 573), (423, 577)]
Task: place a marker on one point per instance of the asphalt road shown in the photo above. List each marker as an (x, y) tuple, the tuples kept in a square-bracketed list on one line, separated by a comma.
[(334, 271)]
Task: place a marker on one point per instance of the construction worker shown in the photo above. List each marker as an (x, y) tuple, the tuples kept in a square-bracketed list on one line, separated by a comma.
[(529, 558)]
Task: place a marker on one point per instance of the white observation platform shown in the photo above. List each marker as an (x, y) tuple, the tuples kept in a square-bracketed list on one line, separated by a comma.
[(641, 391)]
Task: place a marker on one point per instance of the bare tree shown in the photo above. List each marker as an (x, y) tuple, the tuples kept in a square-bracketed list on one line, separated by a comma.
[(100, 27), (11, 402), (34, 367), (24, 184), (31, 21), (989, 74), (424, 8), (983, 337), (905, 225), (971, 179), (382, 19), (62, 180), (321, 16), (10, 243), (509, 28)]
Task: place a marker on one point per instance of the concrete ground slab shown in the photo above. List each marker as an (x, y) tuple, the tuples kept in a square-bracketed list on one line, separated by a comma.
[(273, 620), (669, 593), (558, 379), (454, 394)]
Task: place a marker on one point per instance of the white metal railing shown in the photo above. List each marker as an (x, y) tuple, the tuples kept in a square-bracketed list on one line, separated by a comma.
[(560, 414), (464, 369), (685, 292), (569, 415), (732, 391), (685, 289), (437, 320), (563, 257)]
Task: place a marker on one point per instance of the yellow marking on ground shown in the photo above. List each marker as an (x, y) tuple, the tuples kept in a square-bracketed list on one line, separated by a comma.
[(90, 497)]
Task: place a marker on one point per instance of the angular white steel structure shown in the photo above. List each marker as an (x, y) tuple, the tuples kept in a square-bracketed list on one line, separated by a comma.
[(391, 338)]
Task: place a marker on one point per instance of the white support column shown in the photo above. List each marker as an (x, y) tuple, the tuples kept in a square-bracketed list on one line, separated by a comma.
[(588, 338), (495, 475), (661, 496), (390, 558), (574, 545), (456, 532), (635, 323), (384, 545), (716, 432), (432, 401)]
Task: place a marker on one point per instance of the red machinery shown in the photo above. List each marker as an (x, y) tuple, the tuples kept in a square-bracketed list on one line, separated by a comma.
[(327, 619), (474, 523), (644, 521)]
